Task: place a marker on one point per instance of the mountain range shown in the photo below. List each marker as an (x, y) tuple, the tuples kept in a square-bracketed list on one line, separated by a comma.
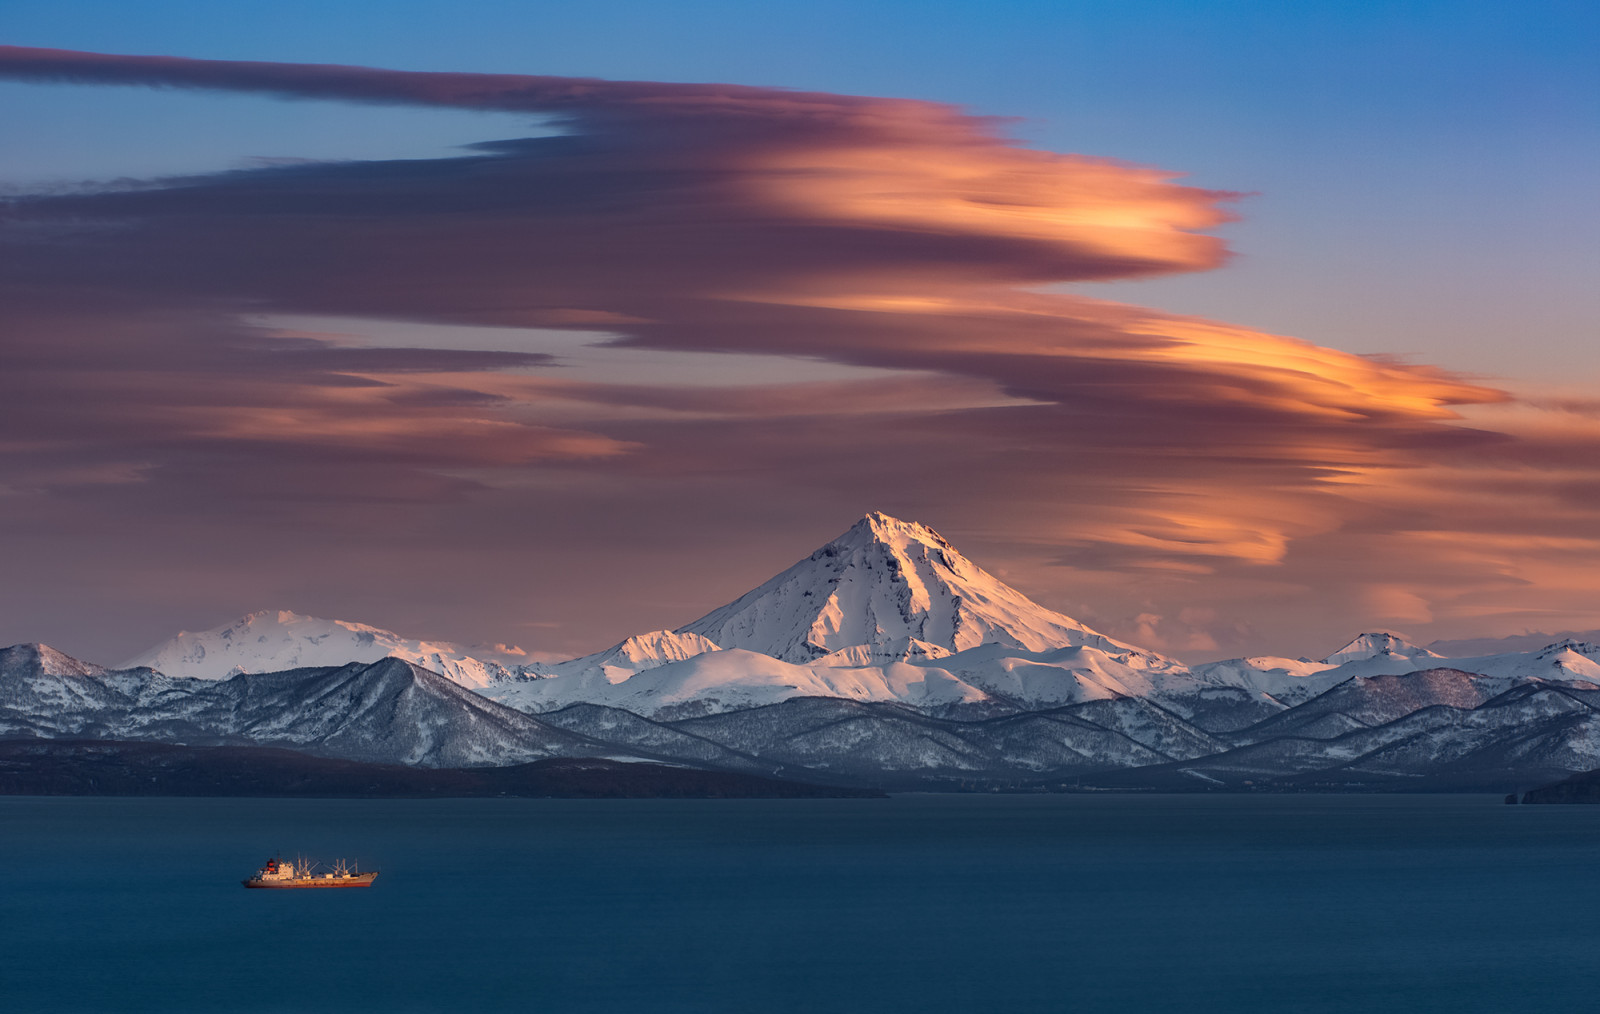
[(884, 659)]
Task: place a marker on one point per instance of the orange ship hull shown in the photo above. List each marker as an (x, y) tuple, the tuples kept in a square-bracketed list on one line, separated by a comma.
[(359, 880)]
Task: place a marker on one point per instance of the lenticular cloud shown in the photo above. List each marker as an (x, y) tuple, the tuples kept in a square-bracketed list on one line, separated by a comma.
[(890, 234)]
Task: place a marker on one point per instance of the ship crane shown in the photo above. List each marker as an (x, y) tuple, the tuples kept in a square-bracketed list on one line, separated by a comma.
[(277, 873)]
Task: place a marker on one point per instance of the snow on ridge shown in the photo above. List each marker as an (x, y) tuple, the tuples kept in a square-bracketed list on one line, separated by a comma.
[(991, 675)]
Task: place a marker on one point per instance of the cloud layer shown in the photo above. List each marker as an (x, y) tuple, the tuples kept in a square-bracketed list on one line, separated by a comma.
[(1183, 480)]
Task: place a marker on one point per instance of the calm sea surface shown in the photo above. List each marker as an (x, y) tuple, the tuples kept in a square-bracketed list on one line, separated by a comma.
[(917, 903)]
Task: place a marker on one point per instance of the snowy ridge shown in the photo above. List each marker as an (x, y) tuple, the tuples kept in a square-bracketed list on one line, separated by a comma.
[(275, 640), (743, 711), (997, 678)]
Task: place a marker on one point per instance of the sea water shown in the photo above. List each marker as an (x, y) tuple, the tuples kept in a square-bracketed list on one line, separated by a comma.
[(924, 903)]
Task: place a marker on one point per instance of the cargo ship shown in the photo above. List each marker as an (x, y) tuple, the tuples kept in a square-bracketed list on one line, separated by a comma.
[(280, 873)]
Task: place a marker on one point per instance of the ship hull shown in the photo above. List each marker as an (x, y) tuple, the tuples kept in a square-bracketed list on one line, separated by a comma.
[(359, 880)]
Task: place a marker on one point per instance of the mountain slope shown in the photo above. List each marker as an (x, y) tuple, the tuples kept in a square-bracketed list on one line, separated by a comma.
[(1364, 702), (888, 744), (390, 710), (44, 692)]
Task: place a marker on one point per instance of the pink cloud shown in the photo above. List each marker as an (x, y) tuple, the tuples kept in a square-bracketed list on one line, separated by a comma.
[(1118, 459)]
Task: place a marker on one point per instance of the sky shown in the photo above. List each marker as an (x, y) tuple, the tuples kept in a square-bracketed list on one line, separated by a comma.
[(1226, 328)]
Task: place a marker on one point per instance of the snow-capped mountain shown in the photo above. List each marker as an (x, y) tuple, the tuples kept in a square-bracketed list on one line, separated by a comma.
[(887, 612), (1376, 644), (896, 589), (886, 658), (275, 640)]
